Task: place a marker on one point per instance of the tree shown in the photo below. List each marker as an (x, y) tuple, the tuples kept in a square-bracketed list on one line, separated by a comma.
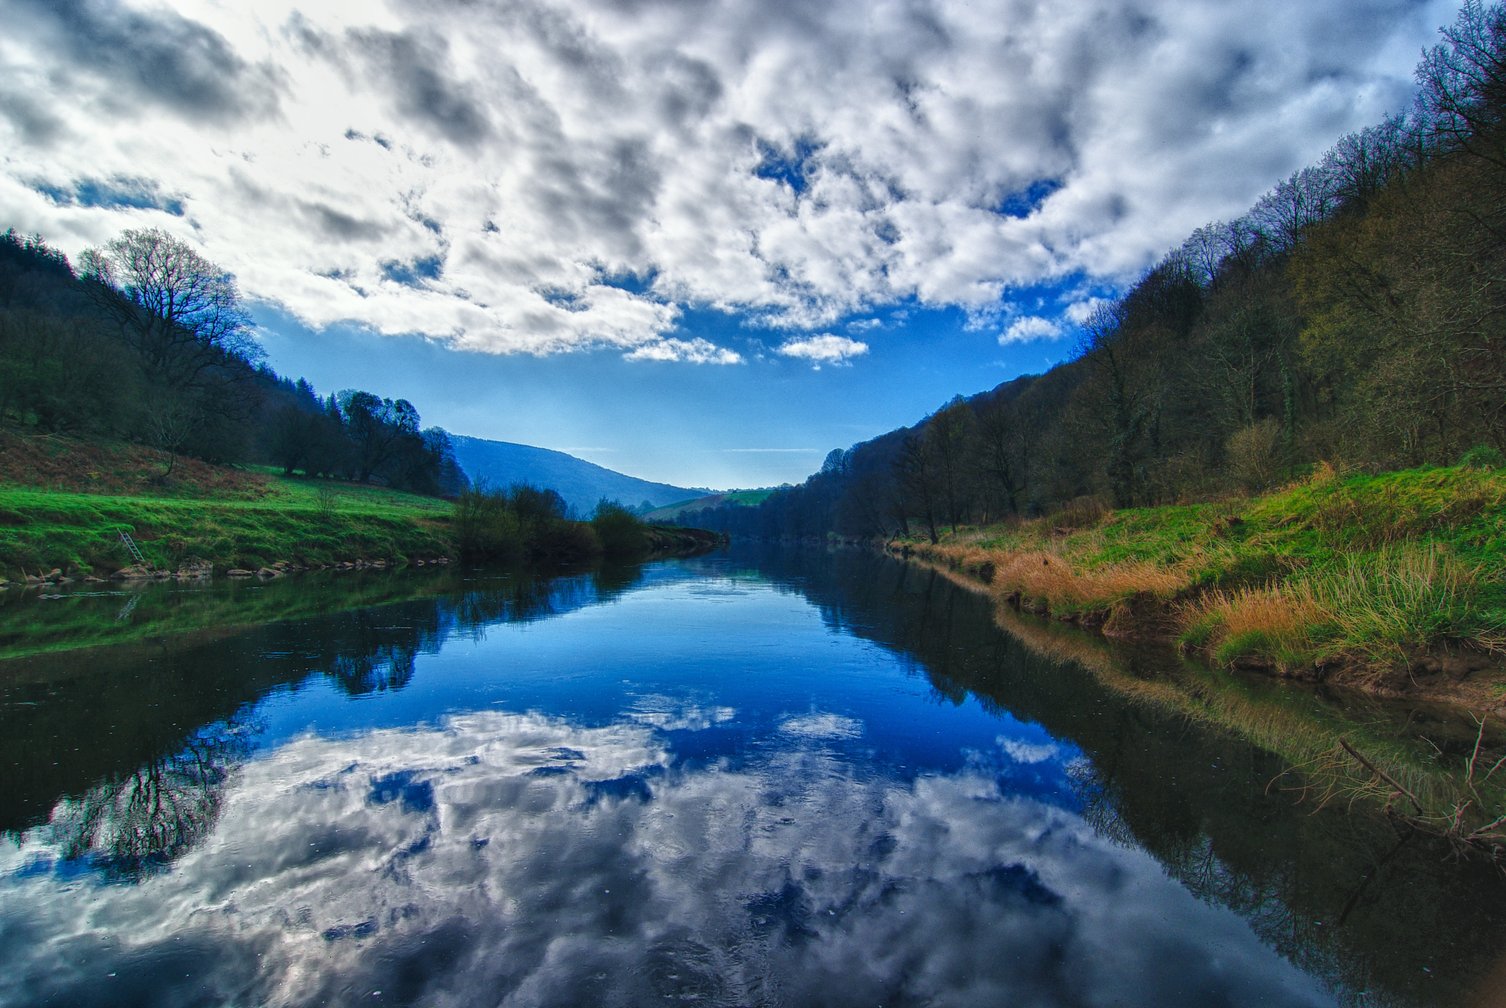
[(1004, 453), (382, 431), (621, 534), (948, 439), (1122, 403), (182, 312), (183, 317), (916, 473), (1462, 84)]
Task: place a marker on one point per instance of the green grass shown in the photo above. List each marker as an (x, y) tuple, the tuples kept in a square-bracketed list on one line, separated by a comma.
[(305, 522), (744, 498), (1375, 569)]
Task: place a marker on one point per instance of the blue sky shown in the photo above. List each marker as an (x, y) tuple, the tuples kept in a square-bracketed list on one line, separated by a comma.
[(769, 420), (699, 241)]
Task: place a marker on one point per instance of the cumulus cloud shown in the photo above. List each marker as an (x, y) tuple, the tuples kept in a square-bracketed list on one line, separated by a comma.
[(824, 349), (794, 163), (159, 57), (1030, 327), (696, 351), (1078, 312)]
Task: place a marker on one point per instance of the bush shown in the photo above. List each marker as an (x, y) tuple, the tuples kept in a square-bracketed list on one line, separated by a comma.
[(486, 527), (621, 534), (1483, 457), (1254, 454), (525, 523)]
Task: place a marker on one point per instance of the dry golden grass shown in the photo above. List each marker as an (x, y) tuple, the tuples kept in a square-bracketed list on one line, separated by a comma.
[(1062, 586), (1054, 580), (1277, 622), (1379, 609)]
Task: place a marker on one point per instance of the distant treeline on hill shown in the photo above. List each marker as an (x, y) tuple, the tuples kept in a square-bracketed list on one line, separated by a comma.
[(148, 342), (1356, 314)]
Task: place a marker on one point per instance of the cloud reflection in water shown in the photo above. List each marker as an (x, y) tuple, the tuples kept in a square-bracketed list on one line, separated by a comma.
[(522, 859)]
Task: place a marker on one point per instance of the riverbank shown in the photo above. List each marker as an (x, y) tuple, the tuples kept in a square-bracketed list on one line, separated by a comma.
[(65, 502), (1393, 584), (1338, 747), (53, 535)]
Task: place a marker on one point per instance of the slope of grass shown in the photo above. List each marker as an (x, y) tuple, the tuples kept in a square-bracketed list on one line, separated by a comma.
[(742, 498), (308, 523), (1384, 573)]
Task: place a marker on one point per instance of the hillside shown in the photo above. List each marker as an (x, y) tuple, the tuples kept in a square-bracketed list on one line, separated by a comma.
[(582, 484), (736, 498), (64, 502)]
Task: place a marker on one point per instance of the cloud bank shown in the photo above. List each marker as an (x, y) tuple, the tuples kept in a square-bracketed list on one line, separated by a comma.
[(546, 176)]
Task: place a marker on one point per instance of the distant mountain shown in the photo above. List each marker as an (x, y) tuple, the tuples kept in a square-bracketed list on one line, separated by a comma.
[(501, 464)]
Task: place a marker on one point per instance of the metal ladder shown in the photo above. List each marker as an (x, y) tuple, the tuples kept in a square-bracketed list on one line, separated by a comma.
[(132, 548)]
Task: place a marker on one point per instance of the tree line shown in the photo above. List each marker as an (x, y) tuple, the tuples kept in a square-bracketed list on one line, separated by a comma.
[(529, 524), (1355, 314), (147, 341)]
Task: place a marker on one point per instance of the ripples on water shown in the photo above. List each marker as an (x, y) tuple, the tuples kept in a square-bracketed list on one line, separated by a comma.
[(700, 783)]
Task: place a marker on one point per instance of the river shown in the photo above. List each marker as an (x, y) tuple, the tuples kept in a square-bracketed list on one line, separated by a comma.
[(748, 779)]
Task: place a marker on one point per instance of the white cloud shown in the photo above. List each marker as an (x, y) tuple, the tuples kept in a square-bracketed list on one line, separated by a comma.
[(797, 163), (1031, 327), (1029, 752), (822, 726), (694, 351), (824, 349), (1078, 312)]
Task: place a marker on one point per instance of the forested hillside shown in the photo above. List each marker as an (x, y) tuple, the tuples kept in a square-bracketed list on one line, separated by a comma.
[(147, 342), (1356, 314)]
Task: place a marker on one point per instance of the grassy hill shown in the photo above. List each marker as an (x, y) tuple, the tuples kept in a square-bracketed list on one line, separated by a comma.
[(738, 498), (64, 502)]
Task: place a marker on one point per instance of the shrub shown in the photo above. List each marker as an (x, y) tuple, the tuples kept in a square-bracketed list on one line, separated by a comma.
[(486, 527), (1079, 513), (619, 531), (1483, 457), (1253, 453)]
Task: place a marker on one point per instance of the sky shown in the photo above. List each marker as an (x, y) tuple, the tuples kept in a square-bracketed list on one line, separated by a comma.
[(697, 241)]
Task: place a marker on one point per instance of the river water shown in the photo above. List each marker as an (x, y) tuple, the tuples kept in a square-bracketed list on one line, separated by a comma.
[(808, 779)]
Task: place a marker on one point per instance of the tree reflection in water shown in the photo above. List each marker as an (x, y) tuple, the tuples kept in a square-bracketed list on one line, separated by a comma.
[(138, 794), (130, 826)]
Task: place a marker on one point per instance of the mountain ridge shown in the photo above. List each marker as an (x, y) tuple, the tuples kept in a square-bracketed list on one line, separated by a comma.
[(582, 484)]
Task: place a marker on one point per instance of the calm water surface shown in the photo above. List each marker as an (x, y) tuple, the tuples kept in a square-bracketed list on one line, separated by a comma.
[(809, 780)]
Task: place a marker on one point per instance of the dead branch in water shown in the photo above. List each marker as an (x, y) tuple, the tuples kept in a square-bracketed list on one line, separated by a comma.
[(1396, 785)]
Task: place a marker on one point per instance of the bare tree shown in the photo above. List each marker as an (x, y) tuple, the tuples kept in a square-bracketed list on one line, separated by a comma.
[(181, 311), (1462, 84)]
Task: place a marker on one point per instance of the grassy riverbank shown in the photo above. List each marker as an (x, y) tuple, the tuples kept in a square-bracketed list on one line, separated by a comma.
[(65, 502), (1433, 768), (1392, 582), (286, 521)]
